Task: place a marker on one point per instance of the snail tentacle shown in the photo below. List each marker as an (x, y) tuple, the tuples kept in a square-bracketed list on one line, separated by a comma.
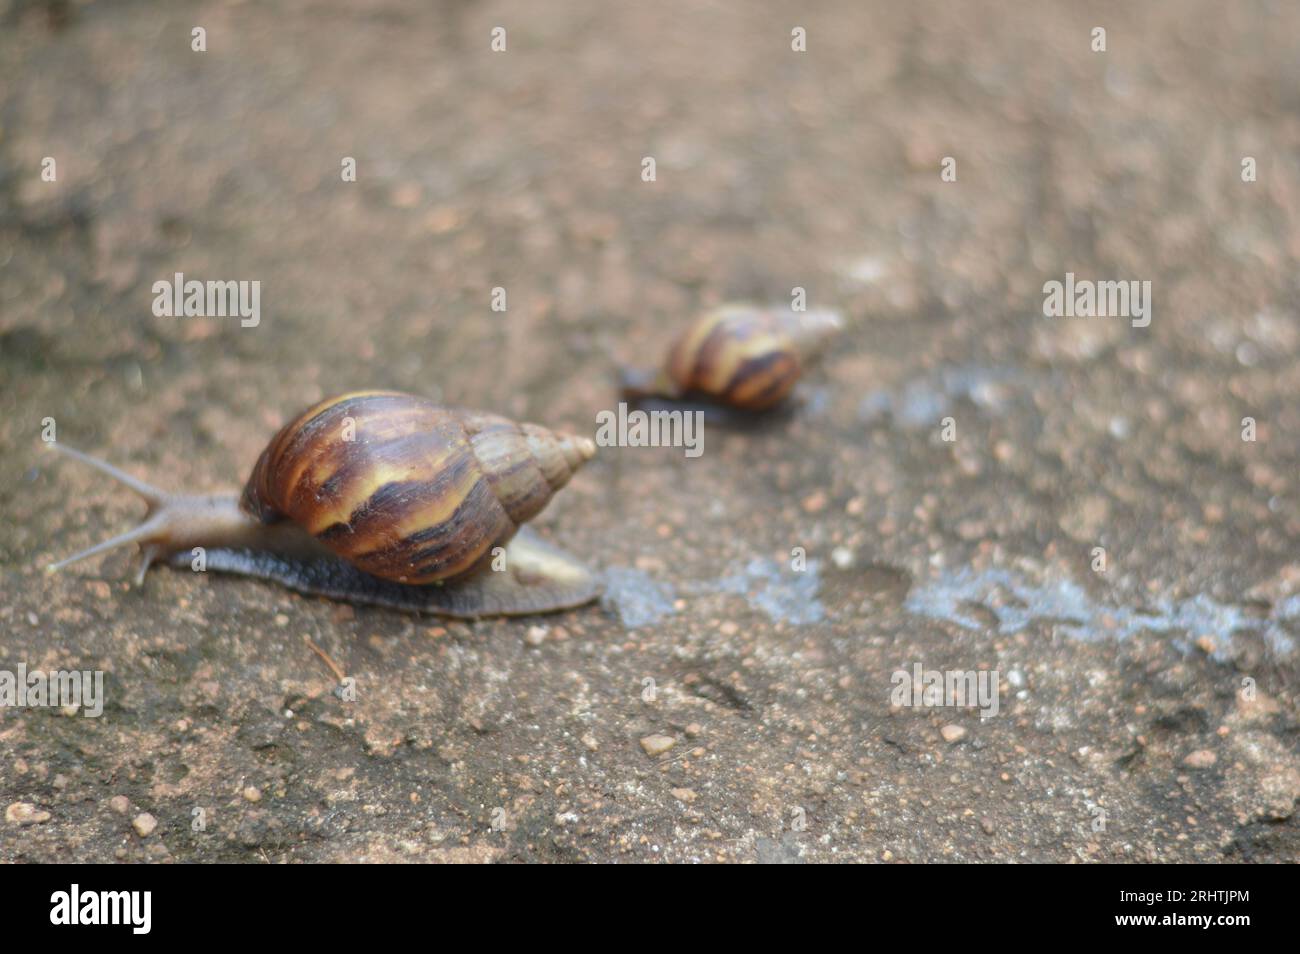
[(149, 492), (178, 522), (139, 534), (147, 533)]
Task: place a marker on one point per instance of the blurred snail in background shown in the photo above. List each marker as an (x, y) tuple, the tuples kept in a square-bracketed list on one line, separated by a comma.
[(387, 499), (741, 356)]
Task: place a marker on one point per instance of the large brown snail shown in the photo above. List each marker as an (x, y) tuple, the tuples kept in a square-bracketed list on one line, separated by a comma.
[(383, 498), (740, 356)]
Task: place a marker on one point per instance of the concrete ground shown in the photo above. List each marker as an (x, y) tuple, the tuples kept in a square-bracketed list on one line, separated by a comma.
[(719, 705)]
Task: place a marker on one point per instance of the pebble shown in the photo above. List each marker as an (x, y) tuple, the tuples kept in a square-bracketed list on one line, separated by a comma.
[(987, 825), (144, 824), (842, 557), (442, 220), (252, 794), (694, 730), (535, 636), (952, 733), (406, 195), (25, 813), (590, 742), (657, 744), (684, 795), (1200, 759), (119, 804), (815, 502)]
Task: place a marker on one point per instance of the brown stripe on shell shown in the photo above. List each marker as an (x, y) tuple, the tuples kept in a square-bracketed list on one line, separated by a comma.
[(746, 342), (380, 452), (683, 355), (397, 509), (763, 381), (312, 435), (506, 464), (355, 473), (712, 363), (453, 547)]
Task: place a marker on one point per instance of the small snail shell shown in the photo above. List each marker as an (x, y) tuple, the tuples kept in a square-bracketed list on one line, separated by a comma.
[(741, 356), (381, 497)]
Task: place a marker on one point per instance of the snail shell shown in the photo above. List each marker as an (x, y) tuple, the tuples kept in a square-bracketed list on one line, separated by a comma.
[(741, 356), (384, 498), (423, 493)]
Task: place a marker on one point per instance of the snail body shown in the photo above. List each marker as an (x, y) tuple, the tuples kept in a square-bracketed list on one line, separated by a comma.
[(384, 498), (740, 356)]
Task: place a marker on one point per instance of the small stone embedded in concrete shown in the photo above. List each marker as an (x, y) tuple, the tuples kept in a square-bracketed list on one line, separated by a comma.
[(657, 744), (144, 824), (952, 733), (252, 794), (25, 813), (684, 795), (1200, 759), (120, 804)]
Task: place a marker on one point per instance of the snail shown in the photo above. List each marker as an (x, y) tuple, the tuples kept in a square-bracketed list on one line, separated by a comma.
[(743, 357), (407, 514)]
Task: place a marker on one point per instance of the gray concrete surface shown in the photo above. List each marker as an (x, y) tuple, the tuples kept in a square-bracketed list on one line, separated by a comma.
[(1147, 712)]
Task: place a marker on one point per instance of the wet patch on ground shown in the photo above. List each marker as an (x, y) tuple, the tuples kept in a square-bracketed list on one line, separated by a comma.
[(1014, 603)]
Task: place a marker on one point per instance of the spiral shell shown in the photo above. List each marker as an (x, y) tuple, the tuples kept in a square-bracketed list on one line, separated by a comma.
[(744, 356), (421, 493)]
